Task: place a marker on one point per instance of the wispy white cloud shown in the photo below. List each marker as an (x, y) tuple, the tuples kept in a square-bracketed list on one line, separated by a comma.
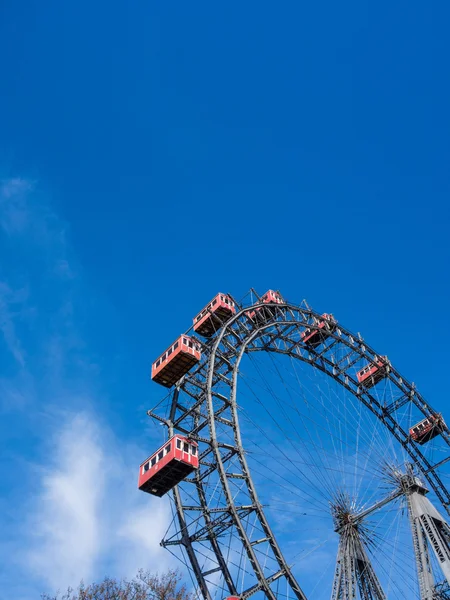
[(64, 517), (37, 288), (26, 216), (14, 186), (143, 526), (9, 300), (88, 514), (84, 515)]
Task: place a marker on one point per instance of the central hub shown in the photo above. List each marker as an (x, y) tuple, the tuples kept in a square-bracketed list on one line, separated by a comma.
[(343, 511), (342, 519)]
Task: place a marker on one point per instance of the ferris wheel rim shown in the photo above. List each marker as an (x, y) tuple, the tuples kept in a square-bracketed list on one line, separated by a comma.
[(256, 331), (406, 443)]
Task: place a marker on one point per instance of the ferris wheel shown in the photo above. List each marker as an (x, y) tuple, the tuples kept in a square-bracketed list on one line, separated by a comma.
[(299, 462)]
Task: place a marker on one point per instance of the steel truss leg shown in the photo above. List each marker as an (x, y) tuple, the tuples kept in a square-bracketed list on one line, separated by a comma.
[(185, 539), (424, 573), (427, 525), (354, 571)]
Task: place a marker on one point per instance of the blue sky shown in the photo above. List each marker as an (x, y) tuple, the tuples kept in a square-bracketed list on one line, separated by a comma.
[(152, 154)]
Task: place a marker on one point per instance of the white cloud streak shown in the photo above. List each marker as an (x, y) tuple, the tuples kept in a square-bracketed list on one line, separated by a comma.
[(65, 523), (84, 515), (88, 514)]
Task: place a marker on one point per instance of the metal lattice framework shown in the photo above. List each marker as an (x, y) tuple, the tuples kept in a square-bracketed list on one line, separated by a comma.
[(204, 407)]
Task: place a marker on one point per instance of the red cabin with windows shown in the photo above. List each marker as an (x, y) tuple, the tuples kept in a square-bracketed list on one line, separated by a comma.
[(374, 372), (427, 429), (314, 337), (176, 361), (168, 466), (212, 317), (269, 297)]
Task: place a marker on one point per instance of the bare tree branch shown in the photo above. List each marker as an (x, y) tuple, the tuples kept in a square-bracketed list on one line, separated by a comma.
[(145, 586)]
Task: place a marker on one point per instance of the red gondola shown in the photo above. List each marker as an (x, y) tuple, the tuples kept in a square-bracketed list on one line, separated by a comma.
[(212, 317), (168, 466), (176, 361), (374, 372), (269, 297), (314, 337), (427, 429)]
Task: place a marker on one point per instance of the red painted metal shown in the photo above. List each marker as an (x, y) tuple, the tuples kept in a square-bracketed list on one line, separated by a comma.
[(176, 361), (212, 317), (168, 466), (314, 337), (269, 297), (374, 372), (427, 429)]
